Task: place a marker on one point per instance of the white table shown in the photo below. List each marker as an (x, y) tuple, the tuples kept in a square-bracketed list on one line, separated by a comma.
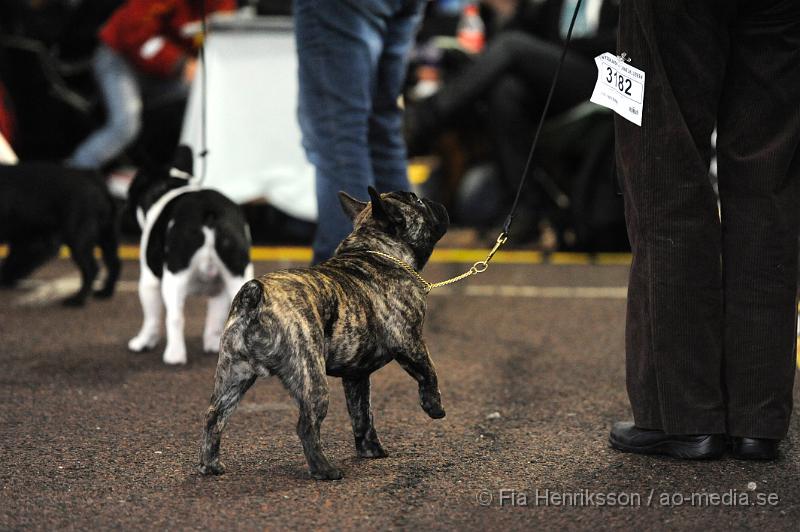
[(252, 135)]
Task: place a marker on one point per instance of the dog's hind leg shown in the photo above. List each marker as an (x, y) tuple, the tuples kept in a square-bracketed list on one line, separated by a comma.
[(232, 380), (417, 363), (356, 391), (82, 250), (152, 309), (216, 314), (174, 289), (110, 249), (308, 386)]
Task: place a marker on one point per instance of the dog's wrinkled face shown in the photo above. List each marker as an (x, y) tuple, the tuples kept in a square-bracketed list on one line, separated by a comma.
[(417, 222)]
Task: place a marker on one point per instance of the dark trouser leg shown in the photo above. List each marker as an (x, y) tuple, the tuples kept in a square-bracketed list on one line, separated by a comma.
[(513, 107), (529, 58), (759, 182), (674, 321), (356, 391)]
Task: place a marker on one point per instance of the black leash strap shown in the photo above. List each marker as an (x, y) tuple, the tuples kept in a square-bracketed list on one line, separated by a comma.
[(203, 97), (526, 171)]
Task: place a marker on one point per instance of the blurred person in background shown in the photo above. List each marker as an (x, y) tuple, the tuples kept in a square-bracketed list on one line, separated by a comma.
[(352, 59), (146, 56), (511, 77), (45, 52)]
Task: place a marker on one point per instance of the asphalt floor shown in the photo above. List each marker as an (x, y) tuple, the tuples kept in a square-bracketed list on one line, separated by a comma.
[(530, 357)]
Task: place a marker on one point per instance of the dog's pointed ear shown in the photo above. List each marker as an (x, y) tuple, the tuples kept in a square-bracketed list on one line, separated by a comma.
[(383, 212), (378, 209), (351, 206), (184, 159)]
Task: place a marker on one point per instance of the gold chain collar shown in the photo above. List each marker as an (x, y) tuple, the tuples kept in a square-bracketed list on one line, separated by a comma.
[(479, 267)]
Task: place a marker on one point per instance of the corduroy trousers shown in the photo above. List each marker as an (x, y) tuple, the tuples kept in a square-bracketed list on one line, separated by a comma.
[(710, 333)]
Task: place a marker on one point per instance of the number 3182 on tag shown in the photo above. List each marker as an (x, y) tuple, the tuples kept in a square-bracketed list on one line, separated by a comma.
[(620, 87)]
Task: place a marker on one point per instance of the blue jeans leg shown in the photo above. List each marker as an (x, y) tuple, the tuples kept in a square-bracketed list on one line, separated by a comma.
[(386, 143), (351, 65), (123, 100)]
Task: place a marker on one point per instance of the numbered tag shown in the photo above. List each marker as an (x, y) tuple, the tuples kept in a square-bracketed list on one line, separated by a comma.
[(620, 87)]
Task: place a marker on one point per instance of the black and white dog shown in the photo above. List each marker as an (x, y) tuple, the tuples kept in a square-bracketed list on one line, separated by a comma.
[(194, 241), (44, 205)]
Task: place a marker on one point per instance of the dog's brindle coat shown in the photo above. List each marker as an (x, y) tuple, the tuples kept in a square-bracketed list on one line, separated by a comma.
[(346, 317)]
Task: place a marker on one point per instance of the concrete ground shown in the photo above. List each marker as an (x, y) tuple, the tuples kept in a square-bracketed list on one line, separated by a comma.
[(530, 359)]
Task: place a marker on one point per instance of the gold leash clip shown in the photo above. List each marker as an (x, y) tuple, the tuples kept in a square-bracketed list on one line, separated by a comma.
[(501, 239)]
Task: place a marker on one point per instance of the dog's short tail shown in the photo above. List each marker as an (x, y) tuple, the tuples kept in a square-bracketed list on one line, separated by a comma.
[(250, 296), (244, 311)]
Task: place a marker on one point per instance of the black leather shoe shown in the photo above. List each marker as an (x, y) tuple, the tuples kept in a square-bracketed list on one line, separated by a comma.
[(628, 438), (754, 448)]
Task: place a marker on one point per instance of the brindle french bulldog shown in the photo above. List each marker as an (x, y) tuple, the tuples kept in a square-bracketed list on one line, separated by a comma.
[(346, 317)]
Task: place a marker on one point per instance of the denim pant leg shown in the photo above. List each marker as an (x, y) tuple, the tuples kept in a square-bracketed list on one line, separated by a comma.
[(387, 146), (121, 94), (339, 46)]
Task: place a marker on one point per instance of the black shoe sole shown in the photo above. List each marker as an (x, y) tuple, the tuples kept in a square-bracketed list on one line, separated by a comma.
[(706, 449), (765, 450), (755, 454), (764, 457)]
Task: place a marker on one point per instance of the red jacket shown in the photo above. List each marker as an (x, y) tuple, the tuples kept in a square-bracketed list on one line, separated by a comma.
[(7, 121), (157, 36)]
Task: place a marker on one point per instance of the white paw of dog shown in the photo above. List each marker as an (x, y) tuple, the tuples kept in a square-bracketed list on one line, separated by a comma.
[(174, 356), (211, 344), (142, 342)]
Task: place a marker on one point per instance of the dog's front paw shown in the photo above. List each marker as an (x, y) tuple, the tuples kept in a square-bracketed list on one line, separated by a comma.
[(434, 411), (214, 468), (371, 449), (142, 342), (78, 300), (330, 473), (431, 402), (104, 293), (174, 356), (433, 407)]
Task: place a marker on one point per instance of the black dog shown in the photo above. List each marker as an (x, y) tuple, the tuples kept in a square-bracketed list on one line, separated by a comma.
[(194, 241), (346, 317), (43, 205)]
